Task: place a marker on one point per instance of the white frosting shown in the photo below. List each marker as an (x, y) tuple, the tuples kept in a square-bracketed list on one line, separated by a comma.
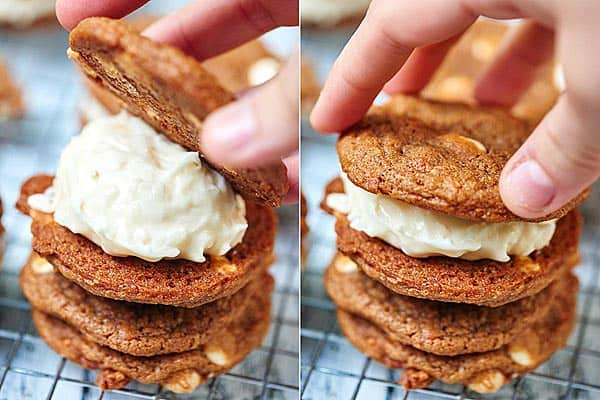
[(24, 12), (330, 12), (422, 233), (262, 70), (133, 192)]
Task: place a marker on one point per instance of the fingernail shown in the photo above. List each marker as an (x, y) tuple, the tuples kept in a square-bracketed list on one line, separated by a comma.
[(532, 186), (229, 129)]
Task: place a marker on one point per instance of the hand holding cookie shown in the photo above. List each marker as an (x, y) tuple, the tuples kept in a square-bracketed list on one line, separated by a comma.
[(261, 127), (399, 46)]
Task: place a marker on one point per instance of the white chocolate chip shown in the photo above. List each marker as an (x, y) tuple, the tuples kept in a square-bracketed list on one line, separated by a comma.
[(262, 70), (183, 382), (464, 141), (487, 382), (559, 78), (217, 356), (526, 264), (521, 356), (483, 49), (223, 266), (454, 88), (345, 264), (40, 265)]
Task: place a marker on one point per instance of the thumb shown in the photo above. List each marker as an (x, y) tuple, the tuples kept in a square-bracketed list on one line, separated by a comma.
[(260, 127), (559, 160)]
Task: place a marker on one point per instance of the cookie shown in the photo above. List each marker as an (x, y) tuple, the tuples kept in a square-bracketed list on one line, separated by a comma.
[(309, 87), (331, 14), (169, 90), (180, 283), (11, 101), (136, 329), (483, 282), (445, 157), (178, 372), (482, 372), (2, 230), (19, 14), (248, 65), (455, 80), (236, 70), (303, 226), (434, 327)]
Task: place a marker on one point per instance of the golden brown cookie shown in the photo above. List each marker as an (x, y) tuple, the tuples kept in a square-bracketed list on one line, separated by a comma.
[(169, 90), (439, 328), (309, 87), (483, 282), (178, 372), (482, 372), (180, 283), (332, 14), (455, 80), (445, 157), (24, 15), (236, 70), (11, 101), (1, 233), (136, 329), (303, 227)]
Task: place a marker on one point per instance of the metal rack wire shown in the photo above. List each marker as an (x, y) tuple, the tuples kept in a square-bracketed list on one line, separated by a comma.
[(28, 368), (332, 369)]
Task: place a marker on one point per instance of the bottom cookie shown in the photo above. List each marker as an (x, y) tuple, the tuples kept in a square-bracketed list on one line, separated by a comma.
[(483, 372), (178, 372)]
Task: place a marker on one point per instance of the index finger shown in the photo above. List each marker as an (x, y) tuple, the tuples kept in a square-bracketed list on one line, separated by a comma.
[(70, 12), (389, 33)]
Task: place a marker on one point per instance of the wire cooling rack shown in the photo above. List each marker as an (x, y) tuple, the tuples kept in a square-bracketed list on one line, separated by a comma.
[(29, 370), (332, 369)]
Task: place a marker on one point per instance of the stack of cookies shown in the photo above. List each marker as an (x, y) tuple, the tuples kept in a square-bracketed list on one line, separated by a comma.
[(11, 99), (148, 262), (433, 273)]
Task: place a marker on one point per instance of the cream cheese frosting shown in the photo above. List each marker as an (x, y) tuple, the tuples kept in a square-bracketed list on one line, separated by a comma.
[(24, 12), (134, 193), (422, 233), (331, 12)]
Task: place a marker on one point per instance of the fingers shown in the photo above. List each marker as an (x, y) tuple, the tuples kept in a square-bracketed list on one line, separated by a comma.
[(420, 67), (204, 28), (70, 12), (559, 160), (292, 164), (258, 128), (380, 46), (514, 69)]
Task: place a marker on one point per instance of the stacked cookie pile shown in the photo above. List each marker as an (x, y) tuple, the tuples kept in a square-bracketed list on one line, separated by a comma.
[(433, 273), (149, 263)]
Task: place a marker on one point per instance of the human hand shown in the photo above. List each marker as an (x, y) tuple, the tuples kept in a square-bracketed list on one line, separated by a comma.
[(562, 156), (262, 125)]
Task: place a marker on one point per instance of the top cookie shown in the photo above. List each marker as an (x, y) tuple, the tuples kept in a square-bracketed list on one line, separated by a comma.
[(169, 90), (445, 157)]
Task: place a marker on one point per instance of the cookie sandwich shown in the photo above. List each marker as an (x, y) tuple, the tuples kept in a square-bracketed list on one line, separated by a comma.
[(149, 263), (11, 100), (433, 273)]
